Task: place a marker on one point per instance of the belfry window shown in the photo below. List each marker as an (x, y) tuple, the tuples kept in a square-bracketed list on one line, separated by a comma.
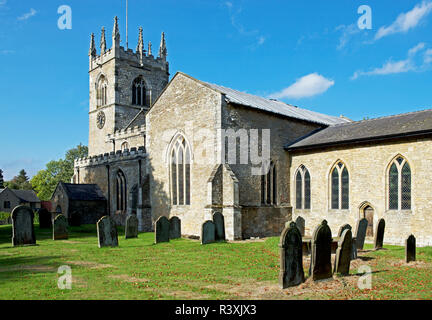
[(303, 190), (269, 186), (339, 178), (121, 191), (180, 172), (139, 92), (101, 92), (399, 185)]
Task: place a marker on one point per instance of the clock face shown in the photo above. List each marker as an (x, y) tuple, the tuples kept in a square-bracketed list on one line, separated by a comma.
[(100, 119)]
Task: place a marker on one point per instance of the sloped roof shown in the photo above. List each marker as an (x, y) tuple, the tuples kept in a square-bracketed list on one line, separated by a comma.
[(83, 192), (26, 195), (401, 125), (269, 105)]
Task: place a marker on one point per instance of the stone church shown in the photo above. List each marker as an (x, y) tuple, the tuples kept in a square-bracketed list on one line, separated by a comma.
[(188, 148)]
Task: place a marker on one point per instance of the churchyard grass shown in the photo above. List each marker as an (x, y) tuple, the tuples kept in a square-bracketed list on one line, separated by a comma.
[(185, 269)]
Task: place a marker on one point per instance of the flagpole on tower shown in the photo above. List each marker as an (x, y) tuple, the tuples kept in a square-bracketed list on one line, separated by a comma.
[(127, 43)]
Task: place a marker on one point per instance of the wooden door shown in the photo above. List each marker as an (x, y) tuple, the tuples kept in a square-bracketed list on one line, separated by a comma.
[(369, 215)]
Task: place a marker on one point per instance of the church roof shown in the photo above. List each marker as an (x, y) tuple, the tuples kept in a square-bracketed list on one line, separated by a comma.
[(83, 192), (26, 195), (270, 105), (391, 127)]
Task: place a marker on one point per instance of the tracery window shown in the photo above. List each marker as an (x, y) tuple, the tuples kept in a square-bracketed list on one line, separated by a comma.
[(399, 185), (269, 186), (101, 92), (121, 198), (303, 189), (180, 172), (339, 178), (139, 92)]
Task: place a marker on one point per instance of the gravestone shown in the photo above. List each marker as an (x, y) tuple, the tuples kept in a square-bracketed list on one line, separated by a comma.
[(219, 222), (360, 234), (107, 232), (60, 228), (175, 228), (410, 249), (301, 225), (162, 230), (131, 227), (343, 253), (22, 226), (343, 228), (45, 219), (320, 267), (354, 249), (208, 233), (291, 257), (379, 234)]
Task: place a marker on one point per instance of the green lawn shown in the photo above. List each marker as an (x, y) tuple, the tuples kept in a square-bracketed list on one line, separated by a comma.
[(184, 269)]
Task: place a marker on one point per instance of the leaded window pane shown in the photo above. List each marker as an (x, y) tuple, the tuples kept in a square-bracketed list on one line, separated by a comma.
[(406, 187), (335, 189), (307, 191), (393, 188), (274, 185), (298, 191), (345, 189), (174, 177)]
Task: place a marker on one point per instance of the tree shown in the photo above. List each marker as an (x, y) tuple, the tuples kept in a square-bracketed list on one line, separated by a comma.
[(45, 181), (19, 182)]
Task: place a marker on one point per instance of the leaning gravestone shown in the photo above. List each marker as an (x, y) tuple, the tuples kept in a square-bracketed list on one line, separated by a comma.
[(343, 228), (107, 232), (162, 230), (22, 226), (45, 221), (320, 267), (301, 224), (219, 222), (131, 228), (343, 253), (208, 233), (60, 228), (175, 228), (379, 234), (291, 257), (410, 249), (360, 234)]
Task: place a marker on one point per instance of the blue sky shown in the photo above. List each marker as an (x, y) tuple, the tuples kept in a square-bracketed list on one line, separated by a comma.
[(309, 53)]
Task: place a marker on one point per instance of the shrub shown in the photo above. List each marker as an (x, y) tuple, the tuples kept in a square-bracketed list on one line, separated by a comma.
[(4, 216)]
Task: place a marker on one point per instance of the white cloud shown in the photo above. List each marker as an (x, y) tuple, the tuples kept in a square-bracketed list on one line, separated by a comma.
[(347, 33), (28, 15), (308, 86), (401, 66), (406, 21)]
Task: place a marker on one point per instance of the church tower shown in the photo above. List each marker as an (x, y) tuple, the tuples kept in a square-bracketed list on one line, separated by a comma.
[(123, 85)]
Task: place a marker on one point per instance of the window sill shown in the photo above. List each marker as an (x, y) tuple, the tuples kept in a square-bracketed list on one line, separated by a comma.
[(407, 212)]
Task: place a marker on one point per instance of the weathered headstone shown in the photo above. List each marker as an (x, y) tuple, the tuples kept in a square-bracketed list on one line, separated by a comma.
[(343, 253), (22, 226), (45, 219), (320, 267), (410, 249), (107, 232), (175, 228), (354, 249), (162, 230), (301, 225), (219, 222), (343, 228), (291, 257), (379, 234), (131, 227), (60, 228), (360, 233), (208, 233)]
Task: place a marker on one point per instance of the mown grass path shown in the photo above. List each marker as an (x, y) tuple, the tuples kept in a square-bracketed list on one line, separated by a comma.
[(184, 269)]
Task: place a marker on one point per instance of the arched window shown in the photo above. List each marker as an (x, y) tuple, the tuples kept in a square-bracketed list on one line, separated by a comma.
[(303, 190), (339, 178), (124, 146), (399, 185), (139, 92), (101, 92), (121, 198), (269, 186), (180, 171)]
